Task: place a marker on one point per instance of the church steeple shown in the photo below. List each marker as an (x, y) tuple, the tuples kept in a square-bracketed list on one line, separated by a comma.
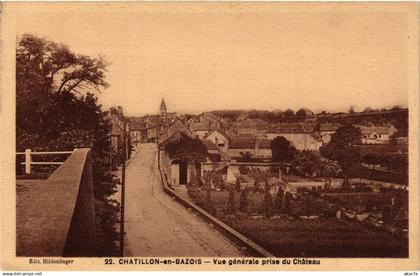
[(163, 110)]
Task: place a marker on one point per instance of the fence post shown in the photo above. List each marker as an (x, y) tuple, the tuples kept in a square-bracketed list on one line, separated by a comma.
[(28, 161)]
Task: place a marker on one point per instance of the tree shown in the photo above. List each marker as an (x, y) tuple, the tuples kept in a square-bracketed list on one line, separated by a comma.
[(393, 141), (282, 150), (245, 157), (278, 202), (209, 203), (238, 184), (49, 119), (46, 74), (341, 148), (287, 203), (368, 109), (374, 159), (289, 115), (301, 114), (307, 163), (243, 203), (330, 170), (190, 150), (268, 205), (230, 206)]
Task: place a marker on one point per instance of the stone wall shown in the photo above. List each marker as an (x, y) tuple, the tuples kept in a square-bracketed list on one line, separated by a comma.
[(60, 219), (81, 236)]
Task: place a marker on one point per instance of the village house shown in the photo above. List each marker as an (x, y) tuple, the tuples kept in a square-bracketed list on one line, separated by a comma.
[(117, 118), (255, 127), (212, 120), (176, 171), (263, 149), (211, 147), (175, 126), (199, 129), (326, 130), (242, 117), (137, 133), (241, 145), (302, 137), (191, 120), (219, 138), (206, 122), (376, 134), (152, 127)]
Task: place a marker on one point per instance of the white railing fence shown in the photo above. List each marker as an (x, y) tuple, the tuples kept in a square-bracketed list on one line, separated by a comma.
[(28, 158)]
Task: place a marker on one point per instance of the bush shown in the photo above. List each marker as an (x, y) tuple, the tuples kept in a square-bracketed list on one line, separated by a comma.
[(230, 206), (278, 202), (238, 184), (193, 191), (243, 170), (329, 212), (243, 206), (209, 207), (268, 205), (287, 203)]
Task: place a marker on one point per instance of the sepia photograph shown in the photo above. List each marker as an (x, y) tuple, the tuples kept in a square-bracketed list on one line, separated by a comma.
[(209, 133)]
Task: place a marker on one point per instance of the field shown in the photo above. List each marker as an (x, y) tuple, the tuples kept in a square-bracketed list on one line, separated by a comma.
[(318, 238), (367, 201), (292, 236)]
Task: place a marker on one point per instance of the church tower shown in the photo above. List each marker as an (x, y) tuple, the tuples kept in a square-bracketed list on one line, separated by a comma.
[(163, 110)]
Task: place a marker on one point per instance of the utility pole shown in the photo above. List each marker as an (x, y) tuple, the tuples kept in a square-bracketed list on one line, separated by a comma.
[(122, 208)]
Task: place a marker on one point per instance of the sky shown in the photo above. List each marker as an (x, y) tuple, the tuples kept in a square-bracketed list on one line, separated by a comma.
[(232, 56)]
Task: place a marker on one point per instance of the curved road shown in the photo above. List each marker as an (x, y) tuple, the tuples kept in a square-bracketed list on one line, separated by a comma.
[(156, 225)]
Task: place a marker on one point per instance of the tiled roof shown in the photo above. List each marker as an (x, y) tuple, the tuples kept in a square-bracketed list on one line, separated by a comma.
[(288, 128), (373, 129), (136, 123), (242, 142), (231, 133), (253, 123), (264, 144), (178, 126), (210, 116), (165, 138), (309, 127), (259, 121), (221, 131), (328, 127), (209, 144), (199, 126)]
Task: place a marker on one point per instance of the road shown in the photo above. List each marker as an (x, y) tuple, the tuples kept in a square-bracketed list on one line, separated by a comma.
[(156, 225)]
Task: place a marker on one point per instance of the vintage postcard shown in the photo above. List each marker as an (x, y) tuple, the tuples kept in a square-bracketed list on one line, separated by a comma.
[(209, 136)]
